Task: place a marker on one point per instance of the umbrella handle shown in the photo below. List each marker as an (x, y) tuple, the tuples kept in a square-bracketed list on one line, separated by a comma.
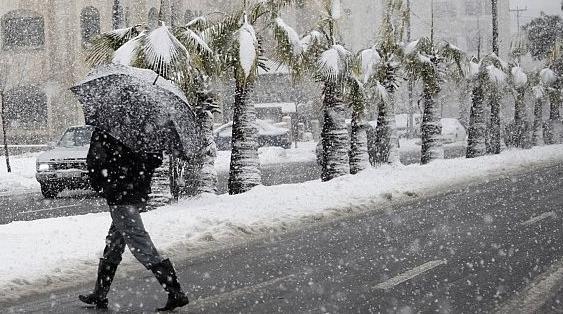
[(156, 79)]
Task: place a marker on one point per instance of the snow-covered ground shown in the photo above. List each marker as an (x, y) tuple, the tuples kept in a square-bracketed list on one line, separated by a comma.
[(304, 152), (22, 177), (41, 255)]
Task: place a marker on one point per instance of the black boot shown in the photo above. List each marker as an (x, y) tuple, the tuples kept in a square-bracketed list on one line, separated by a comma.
[(166, 276), (106, 272)]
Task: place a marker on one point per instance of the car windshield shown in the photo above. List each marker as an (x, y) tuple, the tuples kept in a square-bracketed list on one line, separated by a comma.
[(76, 137)]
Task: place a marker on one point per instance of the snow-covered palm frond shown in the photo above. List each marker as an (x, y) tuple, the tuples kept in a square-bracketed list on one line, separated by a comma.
[(453, 54), (162, 52), (248, 48), (518, 77), (129, 52), (548, 77), (104, 46), (381, 93), (496, 61), (538, 91), (220, 35), (333, 64), (369, 59), (311, 40), (473, 69), (198, 23), (194, 43), (496, 75), (287, 39), (355, 92)]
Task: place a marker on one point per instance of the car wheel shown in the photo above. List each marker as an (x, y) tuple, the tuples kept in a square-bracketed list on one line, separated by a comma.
[(49, 191)]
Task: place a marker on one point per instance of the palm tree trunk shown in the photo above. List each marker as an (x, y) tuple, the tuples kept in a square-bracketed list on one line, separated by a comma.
[(207, 178), (538, 122), (520, 124), (359, 157), (386, 148), (495, 136), (476, 143), (554, 116), (432, 148), (334, 135), (244, 171)]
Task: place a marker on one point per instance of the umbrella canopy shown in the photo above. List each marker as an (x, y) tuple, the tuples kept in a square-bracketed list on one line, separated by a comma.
[(143, 114)]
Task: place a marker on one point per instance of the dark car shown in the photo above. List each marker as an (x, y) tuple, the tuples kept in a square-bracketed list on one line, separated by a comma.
[(268, 135), (64, 166)]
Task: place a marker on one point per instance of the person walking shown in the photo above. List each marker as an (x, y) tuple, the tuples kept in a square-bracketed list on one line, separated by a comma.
[(124, 177)]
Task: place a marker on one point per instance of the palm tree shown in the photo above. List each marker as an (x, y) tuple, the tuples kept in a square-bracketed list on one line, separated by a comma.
[(384, 76), (429, 63), (486, 77), (538, 92), (552, 83), (359, 156), (320, 53), (238, 46), (519, 132)]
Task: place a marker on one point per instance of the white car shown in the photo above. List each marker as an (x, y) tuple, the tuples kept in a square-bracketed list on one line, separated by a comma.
[(64, 166)]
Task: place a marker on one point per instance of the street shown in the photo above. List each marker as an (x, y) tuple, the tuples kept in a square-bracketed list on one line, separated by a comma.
[(472, 249)]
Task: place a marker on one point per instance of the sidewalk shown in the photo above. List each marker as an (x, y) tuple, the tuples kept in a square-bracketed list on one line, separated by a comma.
[(54, 253)]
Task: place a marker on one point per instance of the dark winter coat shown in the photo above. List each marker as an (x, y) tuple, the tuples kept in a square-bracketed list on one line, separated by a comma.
[(123, 176)]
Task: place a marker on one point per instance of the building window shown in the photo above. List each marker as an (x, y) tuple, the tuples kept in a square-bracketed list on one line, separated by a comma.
[(26, 107), (22, 29), (89, 24), (153, 18)]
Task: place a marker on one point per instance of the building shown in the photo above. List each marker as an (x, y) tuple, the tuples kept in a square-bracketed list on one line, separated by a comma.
[(43, 44), (42, 52)]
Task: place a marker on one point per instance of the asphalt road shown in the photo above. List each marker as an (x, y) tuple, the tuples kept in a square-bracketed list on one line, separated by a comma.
[(31, 206), (470, 250)]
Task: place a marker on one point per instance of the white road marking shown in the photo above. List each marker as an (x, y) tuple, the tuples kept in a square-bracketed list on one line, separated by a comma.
[(539, 218), (47, 209), (540, 291), (410, 274)]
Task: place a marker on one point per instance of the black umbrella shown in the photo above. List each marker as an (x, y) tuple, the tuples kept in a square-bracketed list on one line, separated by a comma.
[(144, 113)]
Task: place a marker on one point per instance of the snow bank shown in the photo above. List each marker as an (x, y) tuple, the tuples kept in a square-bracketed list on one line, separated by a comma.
[(305, 152), (22, 177), (42, 255)]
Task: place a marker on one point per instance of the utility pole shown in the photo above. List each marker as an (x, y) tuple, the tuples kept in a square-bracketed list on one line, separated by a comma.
[(518, 12), (410, 121), (3, 79), (494, 5), (432, 21)]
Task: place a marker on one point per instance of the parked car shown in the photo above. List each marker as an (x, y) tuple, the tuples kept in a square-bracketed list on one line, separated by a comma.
[(268, 135), (64, 166)]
